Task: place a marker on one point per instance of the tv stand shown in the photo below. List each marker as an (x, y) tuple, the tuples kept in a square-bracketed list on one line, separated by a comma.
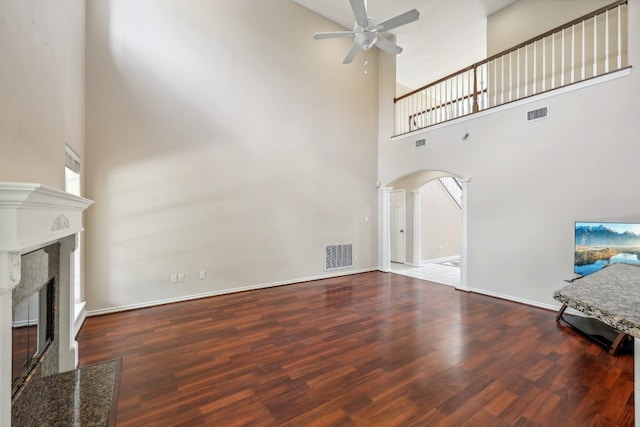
[(609, 338)]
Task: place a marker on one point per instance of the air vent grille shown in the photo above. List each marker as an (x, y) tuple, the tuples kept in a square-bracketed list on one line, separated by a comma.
[(538, 114), (338, 256), (421, 143)]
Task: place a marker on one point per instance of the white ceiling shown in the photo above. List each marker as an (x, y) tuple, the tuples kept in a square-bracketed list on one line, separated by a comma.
[(450, 34)]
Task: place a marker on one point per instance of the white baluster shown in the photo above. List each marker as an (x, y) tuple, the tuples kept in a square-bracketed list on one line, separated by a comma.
[(595, 46), (535, 69), (573, 54), (619, 58), (544, 65), (553, 61), (606, 41), (584, 55), (526, 70), (512, 75), (562, 66), (518, 74)]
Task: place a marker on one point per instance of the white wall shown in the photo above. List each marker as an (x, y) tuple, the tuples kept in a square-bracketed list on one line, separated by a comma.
[(530, 182), (440, 223), (525, 19), (42, 87), (222, 137)]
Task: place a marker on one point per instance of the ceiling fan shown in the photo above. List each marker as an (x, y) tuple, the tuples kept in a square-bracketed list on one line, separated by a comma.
[(367, 31)]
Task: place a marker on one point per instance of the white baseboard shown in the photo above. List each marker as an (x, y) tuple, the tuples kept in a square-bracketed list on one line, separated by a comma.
[(221, 292), (552, 307), (80, 314), (440, 260), (84, 313)]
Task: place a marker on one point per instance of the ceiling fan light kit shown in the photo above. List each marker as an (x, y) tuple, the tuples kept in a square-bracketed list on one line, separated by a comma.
[(367, 31)]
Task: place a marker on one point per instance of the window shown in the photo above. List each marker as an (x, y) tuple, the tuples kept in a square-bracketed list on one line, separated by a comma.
[(72, 185)]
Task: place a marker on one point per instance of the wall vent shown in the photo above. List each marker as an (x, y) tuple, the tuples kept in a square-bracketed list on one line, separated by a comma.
[(421, 143), (338, 256), (538, 114)]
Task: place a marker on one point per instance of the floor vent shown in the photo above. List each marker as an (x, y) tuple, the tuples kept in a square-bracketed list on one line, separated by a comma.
[(421, 143), (338, 256), (540, 113)]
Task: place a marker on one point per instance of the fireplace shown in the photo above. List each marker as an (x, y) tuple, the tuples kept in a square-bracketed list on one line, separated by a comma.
[(38, 235), (32, 333), (34, 337)]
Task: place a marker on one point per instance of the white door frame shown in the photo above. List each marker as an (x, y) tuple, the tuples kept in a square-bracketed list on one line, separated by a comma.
[(398, 237), (385, 233)]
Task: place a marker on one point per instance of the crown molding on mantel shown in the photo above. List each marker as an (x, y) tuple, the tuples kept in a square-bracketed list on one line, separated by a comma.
[(33, 215), (37, 196)]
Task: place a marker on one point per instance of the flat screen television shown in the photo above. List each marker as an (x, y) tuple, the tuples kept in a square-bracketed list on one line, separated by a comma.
[(598, 244)]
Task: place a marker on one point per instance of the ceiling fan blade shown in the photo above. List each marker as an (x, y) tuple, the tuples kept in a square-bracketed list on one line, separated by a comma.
[(360, 12), (352, 54), (388, 46), (333, 35), (399, 20)]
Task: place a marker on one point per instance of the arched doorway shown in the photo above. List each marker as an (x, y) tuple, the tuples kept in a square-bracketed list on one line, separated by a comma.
[(413, 186)]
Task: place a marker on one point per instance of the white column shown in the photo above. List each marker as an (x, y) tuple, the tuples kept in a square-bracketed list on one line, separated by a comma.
[(417, 232), (384, 239), (464, 250), (5, 358), (68, 359), (9, 278), (636, 379)]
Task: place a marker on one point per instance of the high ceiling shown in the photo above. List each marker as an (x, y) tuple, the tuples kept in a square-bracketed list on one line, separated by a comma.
[(450, 34)]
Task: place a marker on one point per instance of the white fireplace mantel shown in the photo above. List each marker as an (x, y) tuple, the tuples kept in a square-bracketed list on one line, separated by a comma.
[(33, 216)]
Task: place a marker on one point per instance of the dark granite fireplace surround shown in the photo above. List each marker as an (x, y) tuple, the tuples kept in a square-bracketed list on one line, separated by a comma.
[(38, 268), (85, 396)]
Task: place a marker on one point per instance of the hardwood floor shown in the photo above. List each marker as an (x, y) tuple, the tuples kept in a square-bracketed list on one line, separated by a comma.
[(374, 349)]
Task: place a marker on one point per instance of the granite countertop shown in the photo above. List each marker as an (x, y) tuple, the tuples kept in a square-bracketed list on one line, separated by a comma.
[(611, 295), (82, 397)]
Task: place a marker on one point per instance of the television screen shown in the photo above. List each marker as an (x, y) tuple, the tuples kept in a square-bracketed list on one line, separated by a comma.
[(598, 244)]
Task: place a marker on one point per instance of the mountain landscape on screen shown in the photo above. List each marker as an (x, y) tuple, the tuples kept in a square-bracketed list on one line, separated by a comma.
[(603, 236), (600, 244)]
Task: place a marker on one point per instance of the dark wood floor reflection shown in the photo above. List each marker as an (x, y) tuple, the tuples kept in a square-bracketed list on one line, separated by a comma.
[(369, 349), (23, 339)]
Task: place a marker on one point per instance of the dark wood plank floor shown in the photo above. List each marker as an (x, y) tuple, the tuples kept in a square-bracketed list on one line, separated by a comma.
[(369, 349)]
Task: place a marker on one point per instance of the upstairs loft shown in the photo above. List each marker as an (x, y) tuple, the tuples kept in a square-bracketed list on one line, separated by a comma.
[(586, 48)]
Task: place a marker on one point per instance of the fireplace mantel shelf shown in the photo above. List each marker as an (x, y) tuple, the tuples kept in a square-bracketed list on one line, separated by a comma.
[(37, 196), (32, 216)]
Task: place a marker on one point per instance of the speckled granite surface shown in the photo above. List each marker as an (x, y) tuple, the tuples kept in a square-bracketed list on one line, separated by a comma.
[(611, 295), (82, 397)]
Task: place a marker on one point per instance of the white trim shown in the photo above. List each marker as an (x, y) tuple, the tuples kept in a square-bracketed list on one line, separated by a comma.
[(80, 315), (417, 229), (464, 244), (535, 98), (552, 307), (39, 241), (440, 260), (636, 380), (37, 196), (91, 313), (384, 236)]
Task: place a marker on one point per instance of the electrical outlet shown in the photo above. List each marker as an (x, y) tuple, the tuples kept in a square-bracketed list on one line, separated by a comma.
[(180, 277), (203, 275), (174, 278)]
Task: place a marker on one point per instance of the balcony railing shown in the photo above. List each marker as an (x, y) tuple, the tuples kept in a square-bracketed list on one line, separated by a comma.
[(587, 47)]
